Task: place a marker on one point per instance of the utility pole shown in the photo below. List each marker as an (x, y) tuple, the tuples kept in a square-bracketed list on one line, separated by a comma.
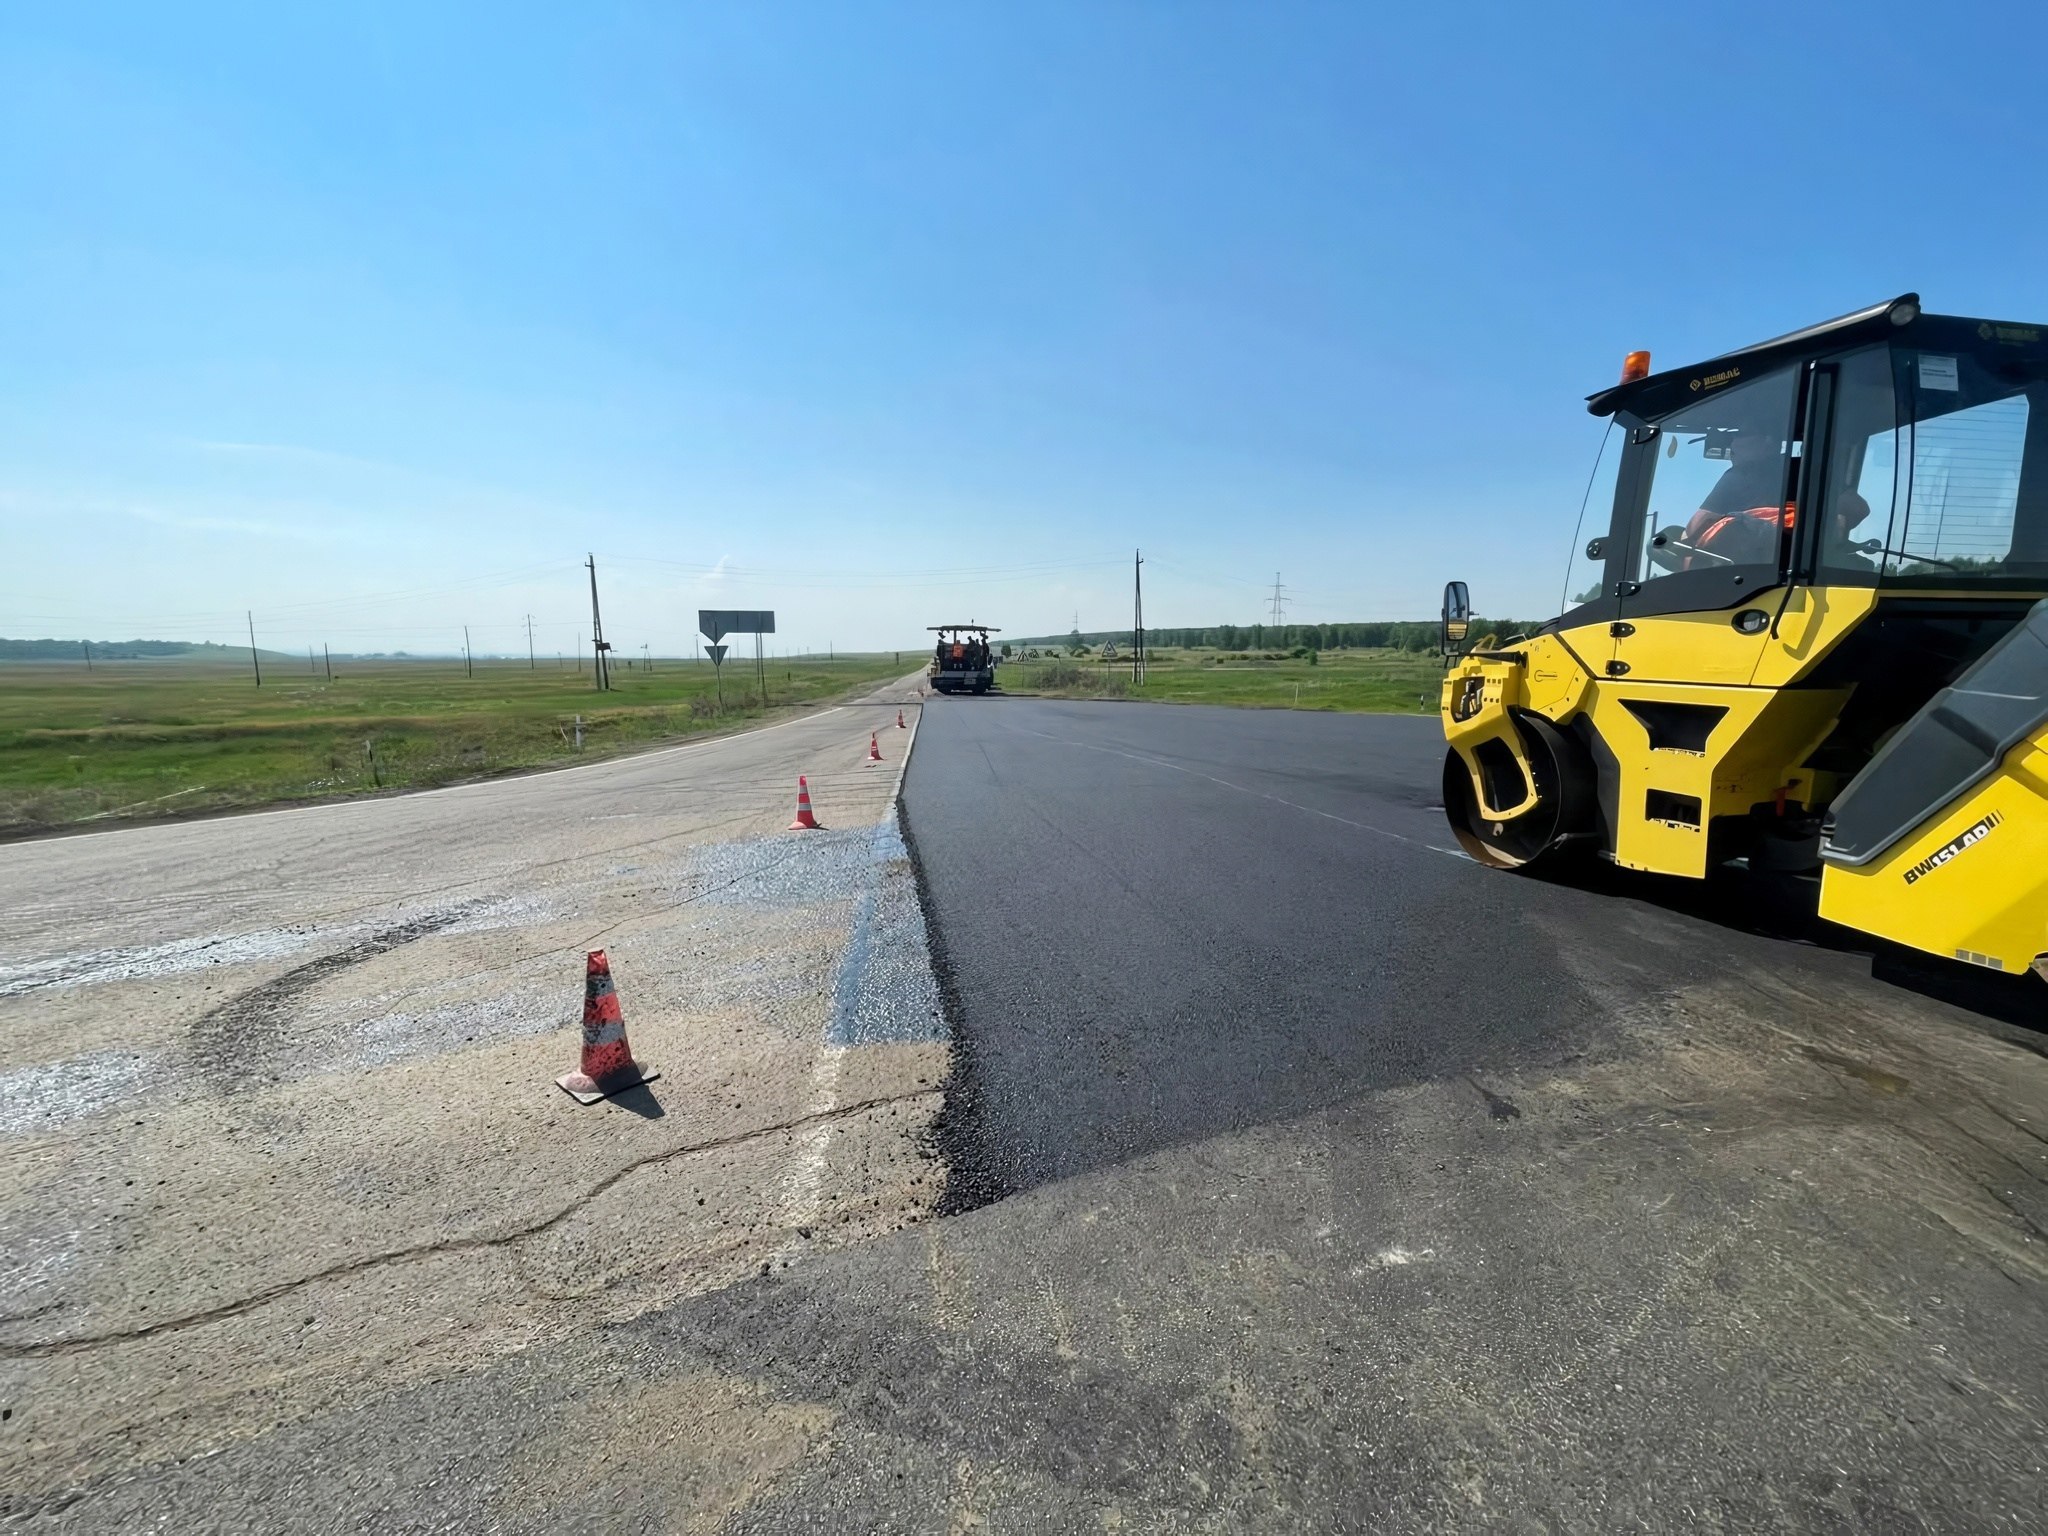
[(597, 645), (328, 660), (468, 666), (579, 653), (646, 658), (1279, 602), (529, 643), (258, 665), (1138, 616), (311, 669), (88, 654)]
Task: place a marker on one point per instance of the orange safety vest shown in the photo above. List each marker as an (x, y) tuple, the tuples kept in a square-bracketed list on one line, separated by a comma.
[(1706, 527)]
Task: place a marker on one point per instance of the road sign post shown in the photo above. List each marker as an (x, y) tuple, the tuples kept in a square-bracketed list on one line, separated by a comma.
[(717, 655), (716, 623)]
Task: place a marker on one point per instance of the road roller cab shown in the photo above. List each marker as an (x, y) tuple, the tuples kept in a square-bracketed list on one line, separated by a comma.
[(1804, 631)]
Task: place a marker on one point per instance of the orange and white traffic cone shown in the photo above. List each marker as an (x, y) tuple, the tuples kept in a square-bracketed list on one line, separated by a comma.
[(805, 821), (899, 721), (608, 1066), (874, 747)]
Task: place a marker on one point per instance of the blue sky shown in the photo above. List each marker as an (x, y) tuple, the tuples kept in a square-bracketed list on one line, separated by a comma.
[(375, 322)]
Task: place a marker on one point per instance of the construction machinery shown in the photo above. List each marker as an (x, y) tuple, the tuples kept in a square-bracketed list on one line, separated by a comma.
[(962, 661), (1807, 637)]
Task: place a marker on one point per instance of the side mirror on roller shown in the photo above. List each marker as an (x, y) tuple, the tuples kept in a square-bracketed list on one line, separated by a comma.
[(1457, 616)]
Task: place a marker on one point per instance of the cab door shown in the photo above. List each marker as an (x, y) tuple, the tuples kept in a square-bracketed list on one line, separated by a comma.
[(1709, 533), (1590, 603)]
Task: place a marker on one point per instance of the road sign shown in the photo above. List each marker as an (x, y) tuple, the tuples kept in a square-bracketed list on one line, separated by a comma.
[(716, 653), (717, 623)]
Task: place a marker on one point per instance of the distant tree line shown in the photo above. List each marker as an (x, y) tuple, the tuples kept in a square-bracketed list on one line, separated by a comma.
[(110, 650), (1383, 634)]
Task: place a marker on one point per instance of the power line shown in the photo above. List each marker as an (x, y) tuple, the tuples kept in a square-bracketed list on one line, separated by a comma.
[(1138, 616), (221, 617), (780, 574), (597, 641)]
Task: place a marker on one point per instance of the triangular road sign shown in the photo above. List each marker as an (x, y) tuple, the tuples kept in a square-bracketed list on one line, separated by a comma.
[(716, 653)]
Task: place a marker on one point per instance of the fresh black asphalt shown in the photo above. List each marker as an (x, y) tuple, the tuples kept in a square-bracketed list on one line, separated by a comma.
[(1157, 924)]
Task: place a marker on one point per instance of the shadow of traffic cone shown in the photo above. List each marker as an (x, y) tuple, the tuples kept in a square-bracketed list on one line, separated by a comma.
[(805, 821), (899, 721), (608, 1066), (874, 747)]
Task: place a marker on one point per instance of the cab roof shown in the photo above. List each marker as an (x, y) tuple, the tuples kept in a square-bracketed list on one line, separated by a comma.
[(958, 629), (1661, 392)]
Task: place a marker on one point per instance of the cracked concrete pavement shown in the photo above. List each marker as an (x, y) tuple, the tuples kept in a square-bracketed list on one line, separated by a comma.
[(276, 1095)]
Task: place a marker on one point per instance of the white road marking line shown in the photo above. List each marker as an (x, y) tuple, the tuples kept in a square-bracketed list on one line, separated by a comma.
[(803, 1184)]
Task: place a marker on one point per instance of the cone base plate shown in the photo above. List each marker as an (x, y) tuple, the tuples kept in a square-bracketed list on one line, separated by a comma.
[(588, 1090), (806, 826)]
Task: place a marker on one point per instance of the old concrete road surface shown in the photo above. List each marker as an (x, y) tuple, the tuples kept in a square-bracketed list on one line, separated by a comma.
[(278, 1130)]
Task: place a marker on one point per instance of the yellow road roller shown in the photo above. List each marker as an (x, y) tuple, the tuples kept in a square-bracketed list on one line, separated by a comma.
[(1807, 636)]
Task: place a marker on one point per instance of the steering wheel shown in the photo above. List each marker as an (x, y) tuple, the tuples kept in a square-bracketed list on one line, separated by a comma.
[(1748, 536), (1674, 549)]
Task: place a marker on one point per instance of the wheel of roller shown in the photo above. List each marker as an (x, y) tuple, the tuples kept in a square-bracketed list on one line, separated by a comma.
[(1564, 801)]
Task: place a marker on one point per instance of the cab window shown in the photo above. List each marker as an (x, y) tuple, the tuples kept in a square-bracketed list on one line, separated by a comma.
[(1585, 580), (1863, 469), (1712, 494), (1965, 487), (1927, 478)]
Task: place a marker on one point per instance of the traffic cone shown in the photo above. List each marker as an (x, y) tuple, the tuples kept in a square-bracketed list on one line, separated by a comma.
[(899, 721), (874, 748), (805, 821), (608, 1066)]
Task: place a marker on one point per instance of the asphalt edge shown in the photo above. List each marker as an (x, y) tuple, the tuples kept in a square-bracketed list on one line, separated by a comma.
[(972, 1180)]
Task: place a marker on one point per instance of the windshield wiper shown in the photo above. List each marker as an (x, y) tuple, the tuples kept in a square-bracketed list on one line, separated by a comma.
[(1873, 547)]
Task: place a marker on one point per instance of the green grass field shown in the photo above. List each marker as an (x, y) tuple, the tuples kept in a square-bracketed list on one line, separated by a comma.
[(1377, 681), (154, 738)]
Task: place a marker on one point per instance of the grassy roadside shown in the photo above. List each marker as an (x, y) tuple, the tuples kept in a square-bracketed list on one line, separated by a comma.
[(162, 738), (1376, 681)]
